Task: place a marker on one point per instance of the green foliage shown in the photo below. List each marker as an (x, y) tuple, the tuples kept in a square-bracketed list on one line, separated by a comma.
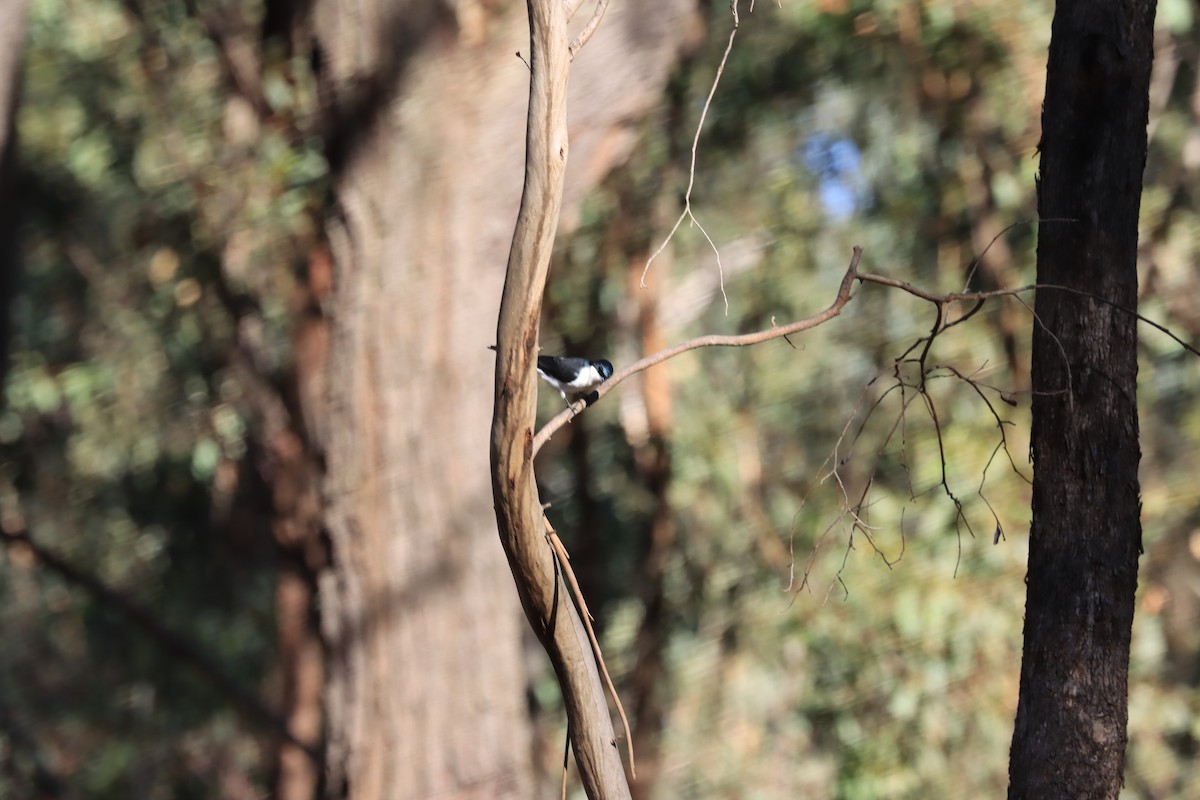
[(163, 223)]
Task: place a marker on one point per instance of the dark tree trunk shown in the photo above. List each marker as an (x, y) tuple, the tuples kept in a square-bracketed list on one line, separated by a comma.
[(1070, 733), (12, 44)]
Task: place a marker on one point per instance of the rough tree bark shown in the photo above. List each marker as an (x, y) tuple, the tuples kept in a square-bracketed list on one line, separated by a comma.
[(424, 107), (1070, 733)]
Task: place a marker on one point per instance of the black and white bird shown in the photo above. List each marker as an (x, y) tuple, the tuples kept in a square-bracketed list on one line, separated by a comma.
[(573, 377)]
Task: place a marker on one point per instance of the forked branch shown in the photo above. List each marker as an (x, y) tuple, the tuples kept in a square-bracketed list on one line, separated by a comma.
[(590, 28)]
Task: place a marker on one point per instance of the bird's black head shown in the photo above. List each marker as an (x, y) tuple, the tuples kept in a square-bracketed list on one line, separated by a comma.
[(605, 368)]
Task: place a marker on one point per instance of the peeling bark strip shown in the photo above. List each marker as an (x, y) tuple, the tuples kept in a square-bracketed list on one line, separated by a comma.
[(1070, 733), (518, 508)]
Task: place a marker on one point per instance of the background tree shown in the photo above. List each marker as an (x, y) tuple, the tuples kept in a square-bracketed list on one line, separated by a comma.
[(426, 119)]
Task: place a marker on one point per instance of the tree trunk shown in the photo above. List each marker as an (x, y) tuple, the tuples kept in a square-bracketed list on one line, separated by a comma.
[(653, 458), (425, 117), (1070, 732)]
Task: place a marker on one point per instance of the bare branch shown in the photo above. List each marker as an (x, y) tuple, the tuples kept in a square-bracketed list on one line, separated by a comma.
[(589, 29), (979, 258), (1000, 423), (941, 299), (687, 195), (570, 7), (853, 513), (711, 340)]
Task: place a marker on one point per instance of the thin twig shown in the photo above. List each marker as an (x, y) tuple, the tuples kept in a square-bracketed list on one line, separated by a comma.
[(571, 7), (955, 297), (1113, 304), (979, 258), (589, 29), (820, 539), (854, 512), (1000, 423), (687, 195)]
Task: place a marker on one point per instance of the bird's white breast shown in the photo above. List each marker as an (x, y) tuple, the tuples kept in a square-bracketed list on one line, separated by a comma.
[(586, 379)]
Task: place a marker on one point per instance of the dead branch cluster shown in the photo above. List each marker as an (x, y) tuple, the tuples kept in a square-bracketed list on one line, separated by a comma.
[(911, 373)]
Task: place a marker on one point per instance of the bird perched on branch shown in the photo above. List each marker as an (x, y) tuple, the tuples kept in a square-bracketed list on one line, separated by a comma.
[(574, 377)]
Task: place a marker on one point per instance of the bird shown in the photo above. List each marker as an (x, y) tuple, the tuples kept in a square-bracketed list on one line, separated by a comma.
[(573, 377)]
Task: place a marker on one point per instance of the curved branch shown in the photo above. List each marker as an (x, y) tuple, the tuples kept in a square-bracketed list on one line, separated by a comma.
[(590, 28), (518, 508), (712, 340)]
